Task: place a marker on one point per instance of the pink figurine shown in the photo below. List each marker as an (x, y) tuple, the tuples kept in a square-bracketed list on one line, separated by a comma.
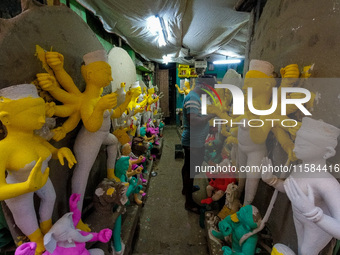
[(64, 239), (150, 128), (26, 249)]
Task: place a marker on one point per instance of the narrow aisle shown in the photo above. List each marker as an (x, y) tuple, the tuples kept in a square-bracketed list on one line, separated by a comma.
[(165, 226)]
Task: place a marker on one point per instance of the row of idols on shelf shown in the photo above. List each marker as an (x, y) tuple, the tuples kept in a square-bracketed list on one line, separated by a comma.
[(134, 117), (312, 190)]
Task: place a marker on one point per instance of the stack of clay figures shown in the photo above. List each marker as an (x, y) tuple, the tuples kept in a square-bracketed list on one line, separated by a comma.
[(313, 194), (127, 122)]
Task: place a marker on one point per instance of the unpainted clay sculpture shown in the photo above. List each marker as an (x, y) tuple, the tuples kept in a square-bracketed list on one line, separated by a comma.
[(312, 190), (251, 142)]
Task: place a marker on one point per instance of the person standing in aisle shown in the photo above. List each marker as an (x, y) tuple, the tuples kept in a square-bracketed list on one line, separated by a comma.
[(196, 128)]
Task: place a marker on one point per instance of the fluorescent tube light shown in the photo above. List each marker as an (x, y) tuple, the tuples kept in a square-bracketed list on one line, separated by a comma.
[(227, 61), (230, 54)]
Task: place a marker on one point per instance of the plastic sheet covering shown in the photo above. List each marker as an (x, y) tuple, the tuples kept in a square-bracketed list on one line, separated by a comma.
[(204, 27)]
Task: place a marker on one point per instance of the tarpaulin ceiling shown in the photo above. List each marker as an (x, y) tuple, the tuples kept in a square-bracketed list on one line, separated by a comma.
[(204, 27)]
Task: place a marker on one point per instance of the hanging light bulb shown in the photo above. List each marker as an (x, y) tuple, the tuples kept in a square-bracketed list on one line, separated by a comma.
[(166, 59)]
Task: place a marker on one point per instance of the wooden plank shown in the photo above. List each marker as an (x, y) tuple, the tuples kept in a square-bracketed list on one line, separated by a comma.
[(162, 81)]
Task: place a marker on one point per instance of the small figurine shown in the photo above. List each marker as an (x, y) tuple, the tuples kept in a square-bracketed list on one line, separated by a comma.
[(246, 220), (134, 125), (124, 170), (213, 150), (24, 157), (153, 131), (137, 163), (232, 201), (136, 90), (152, 100), (146, 139), (218, 186), (186, 89), (126, 151), (161, 127), (63, 238)]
